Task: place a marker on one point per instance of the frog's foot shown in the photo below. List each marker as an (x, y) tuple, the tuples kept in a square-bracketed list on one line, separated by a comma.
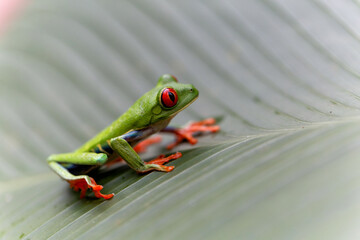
[(157, 163), (194, 128), (82, 185), (143, 145)]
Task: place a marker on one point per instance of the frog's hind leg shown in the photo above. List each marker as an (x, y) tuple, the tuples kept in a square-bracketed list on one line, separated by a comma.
[(81, 182)]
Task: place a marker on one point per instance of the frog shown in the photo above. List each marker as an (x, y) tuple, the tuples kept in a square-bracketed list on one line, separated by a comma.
[(131, 134)]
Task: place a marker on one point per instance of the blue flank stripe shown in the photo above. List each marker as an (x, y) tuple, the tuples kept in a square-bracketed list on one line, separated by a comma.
[(105, 147)]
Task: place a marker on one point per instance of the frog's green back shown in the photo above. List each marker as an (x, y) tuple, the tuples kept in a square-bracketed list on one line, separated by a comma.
[(122, 125), (146, 111)]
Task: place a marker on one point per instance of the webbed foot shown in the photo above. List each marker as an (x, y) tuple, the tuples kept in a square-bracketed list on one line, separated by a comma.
[(188, 132), (157, 163), (83, 184)]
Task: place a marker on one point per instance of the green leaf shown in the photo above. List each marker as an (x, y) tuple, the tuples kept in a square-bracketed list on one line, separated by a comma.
[(283, 77)]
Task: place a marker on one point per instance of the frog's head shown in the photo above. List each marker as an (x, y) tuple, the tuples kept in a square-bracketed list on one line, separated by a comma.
[(171, 97)]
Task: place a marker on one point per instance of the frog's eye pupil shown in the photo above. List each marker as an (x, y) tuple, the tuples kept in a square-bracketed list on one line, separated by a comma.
[(169, 97), (172, 96)]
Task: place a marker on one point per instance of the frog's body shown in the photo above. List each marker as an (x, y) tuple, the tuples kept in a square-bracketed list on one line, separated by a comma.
[(150, 114), (133, 136)]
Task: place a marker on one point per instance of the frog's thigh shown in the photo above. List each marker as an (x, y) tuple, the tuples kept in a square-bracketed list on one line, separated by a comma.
[(75, 158), (66, 175), (86, 158)]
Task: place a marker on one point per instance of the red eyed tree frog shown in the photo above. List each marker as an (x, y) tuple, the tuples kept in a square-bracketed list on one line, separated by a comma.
[(126, 137)]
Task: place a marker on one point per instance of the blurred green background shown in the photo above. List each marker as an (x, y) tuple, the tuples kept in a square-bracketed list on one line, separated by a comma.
[(282, 75)]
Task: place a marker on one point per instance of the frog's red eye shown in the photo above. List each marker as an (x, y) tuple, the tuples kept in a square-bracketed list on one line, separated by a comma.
[(168, 97)]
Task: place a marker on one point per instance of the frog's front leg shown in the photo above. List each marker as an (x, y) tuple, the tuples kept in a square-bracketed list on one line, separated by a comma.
[(127, 153), (192, 129), (80, 182)]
